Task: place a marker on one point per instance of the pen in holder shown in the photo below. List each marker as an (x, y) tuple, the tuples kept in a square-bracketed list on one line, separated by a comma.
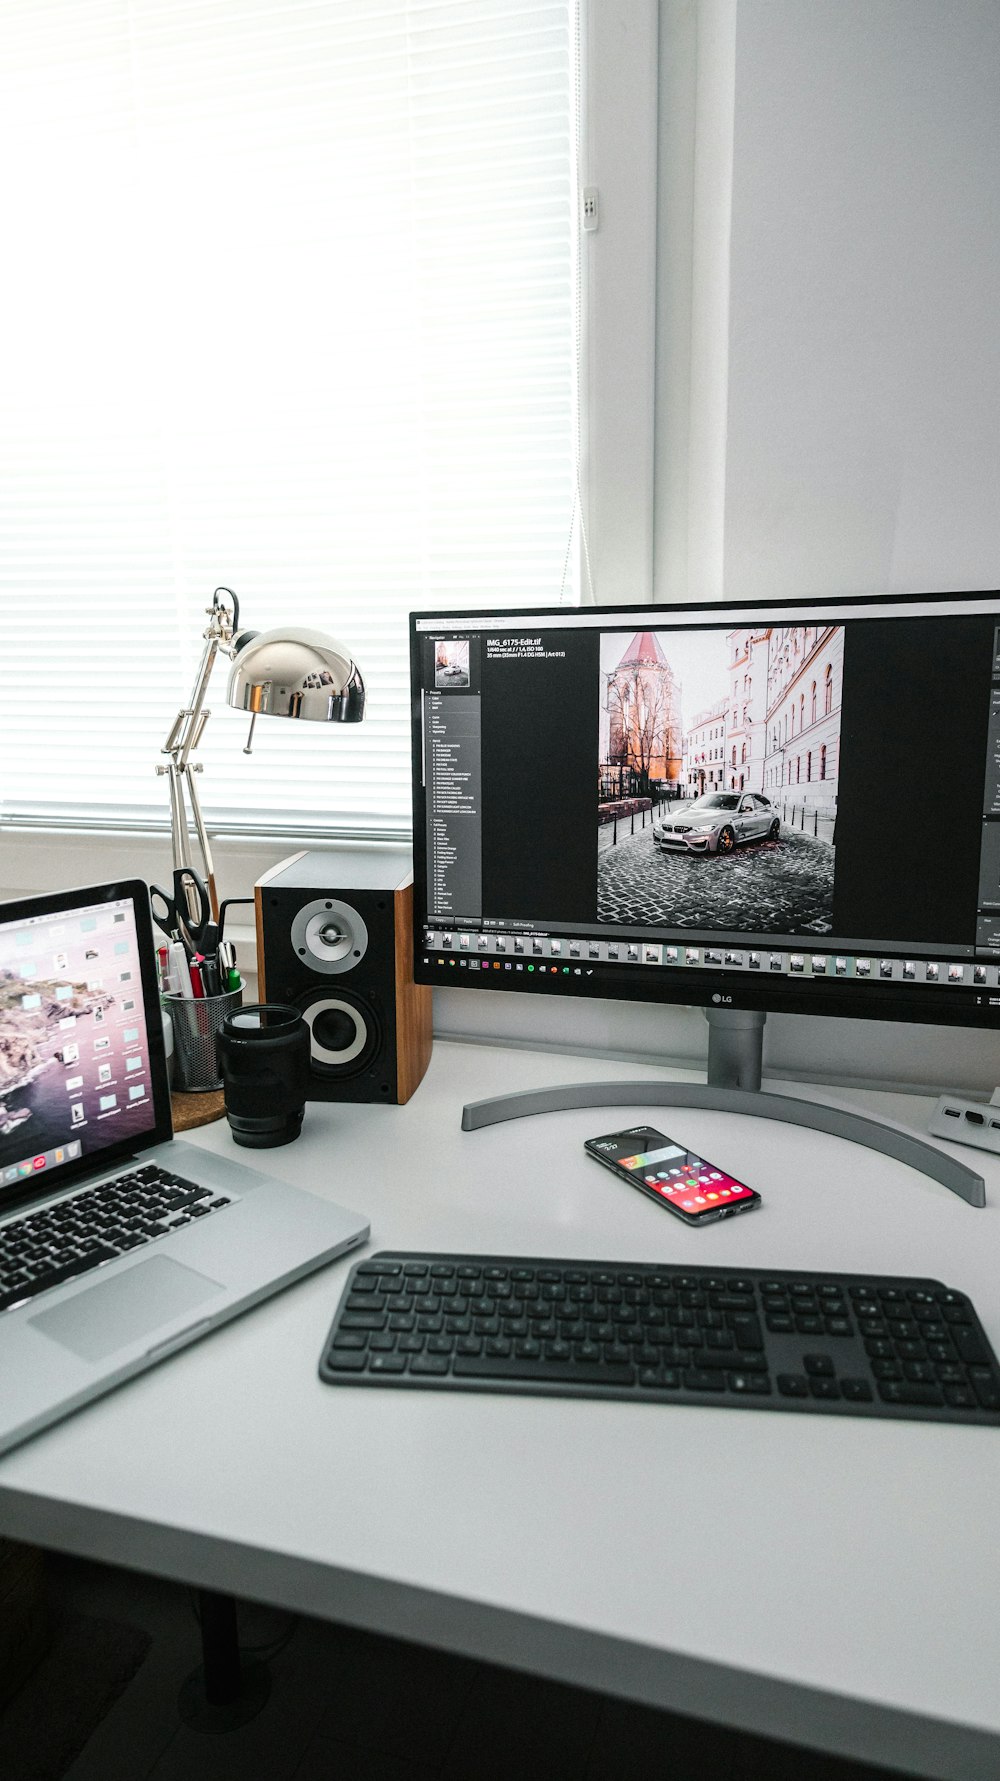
[(195, 1022)]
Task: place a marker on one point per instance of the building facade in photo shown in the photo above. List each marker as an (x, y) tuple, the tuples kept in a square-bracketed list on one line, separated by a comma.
[(642, 700), (747, 706), (704, 767), (804, 693)]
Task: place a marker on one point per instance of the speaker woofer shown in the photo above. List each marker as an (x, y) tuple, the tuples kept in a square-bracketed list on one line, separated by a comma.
[(345, 1033)]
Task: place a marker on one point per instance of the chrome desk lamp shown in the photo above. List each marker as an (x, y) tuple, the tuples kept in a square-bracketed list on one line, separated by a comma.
[(287, 672)]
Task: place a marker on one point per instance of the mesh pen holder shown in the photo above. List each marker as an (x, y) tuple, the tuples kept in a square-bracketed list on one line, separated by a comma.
[(195, 1024)]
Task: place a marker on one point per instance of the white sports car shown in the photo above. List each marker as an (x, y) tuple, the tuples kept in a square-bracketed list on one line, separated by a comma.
[(718, 822)]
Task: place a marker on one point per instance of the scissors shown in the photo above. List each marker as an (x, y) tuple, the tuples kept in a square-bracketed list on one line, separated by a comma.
[(187, 915)]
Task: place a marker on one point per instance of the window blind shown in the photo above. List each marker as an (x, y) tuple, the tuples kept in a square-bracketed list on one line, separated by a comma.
[(288, 306)]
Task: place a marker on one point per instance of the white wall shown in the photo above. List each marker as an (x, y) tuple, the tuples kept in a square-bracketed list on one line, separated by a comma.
[(863, 414)]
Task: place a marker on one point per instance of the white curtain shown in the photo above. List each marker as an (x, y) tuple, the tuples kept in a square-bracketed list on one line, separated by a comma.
[(288, 305)]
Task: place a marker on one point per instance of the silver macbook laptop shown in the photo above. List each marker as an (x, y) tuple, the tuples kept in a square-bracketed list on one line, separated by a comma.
[(118, 1242)]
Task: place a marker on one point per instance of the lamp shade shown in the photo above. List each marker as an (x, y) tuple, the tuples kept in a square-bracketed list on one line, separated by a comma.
[(291, 672)]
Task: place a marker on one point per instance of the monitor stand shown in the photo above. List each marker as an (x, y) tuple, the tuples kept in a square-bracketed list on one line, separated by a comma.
[(735, 1051)]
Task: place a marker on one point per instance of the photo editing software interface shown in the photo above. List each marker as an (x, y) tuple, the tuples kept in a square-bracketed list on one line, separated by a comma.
[(74, 1057), (791, 806)]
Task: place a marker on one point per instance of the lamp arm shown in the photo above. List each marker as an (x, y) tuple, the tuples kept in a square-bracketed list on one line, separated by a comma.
[(187, 728), (178, 820), (183, 738), (206, 850)]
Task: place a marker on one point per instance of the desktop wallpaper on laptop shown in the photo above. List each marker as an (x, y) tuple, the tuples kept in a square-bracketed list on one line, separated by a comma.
[(74, 1062)]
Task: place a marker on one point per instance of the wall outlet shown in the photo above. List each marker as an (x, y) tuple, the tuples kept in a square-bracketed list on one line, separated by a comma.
[(591, 209)]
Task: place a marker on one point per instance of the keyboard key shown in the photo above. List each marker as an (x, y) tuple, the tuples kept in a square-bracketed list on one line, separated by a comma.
[(819, 1366), (985, 1387), (657, 1376), (433, 1364), (366, 1301), (749, 1335), (856, 1391), (970, 1345), (919, 1371), (347, 1360), (711, 1358), (903, 1392), (548, 1372), (960, 1397)]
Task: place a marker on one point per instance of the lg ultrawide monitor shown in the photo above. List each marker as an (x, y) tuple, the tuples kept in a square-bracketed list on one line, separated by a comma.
[(791, 806)]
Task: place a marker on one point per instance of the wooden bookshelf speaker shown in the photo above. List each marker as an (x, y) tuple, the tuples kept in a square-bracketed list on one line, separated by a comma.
[(335, 937)]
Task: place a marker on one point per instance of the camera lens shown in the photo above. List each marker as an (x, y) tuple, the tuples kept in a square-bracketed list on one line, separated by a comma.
[(263, 1053)]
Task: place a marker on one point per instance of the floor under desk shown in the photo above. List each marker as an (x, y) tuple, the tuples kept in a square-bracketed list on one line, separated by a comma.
[(358, 1707)]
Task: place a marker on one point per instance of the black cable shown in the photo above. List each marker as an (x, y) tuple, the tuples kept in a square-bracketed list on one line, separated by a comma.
[(236, 604)]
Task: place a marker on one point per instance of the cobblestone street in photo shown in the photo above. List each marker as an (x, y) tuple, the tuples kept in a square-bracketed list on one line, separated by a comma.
[(780, 887)]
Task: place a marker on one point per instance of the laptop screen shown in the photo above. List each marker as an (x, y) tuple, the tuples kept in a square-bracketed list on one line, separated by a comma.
[(76, 1071)]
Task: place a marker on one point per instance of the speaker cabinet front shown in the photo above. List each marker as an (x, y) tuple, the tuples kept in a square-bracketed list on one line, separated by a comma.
[(335, 938)]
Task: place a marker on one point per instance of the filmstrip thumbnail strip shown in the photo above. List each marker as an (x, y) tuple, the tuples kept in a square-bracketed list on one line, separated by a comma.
[(477, 947)]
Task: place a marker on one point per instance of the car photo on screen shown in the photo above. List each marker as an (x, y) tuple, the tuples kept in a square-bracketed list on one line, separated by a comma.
[(717, 777)]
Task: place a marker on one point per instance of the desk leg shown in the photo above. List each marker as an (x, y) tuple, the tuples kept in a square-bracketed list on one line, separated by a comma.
[(224, 1692)]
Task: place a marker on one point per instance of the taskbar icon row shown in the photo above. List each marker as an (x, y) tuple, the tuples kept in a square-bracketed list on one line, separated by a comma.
[(553, 954), (44, 1159)]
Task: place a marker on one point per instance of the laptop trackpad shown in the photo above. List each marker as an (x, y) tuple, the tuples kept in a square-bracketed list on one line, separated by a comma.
[(121, 1311)]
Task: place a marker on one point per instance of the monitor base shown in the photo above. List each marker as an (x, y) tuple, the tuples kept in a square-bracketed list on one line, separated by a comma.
[(734, 1058)]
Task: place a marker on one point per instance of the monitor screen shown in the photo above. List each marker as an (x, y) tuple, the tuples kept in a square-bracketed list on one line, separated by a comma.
[(792, 806), (76, 1071)]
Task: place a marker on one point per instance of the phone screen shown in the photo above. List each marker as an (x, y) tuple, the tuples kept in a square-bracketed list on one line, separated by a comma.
[(684, 1180)]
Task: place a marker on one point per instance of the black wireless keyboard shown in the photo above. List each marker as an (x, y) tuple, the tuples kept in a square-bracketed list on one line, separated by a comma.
[(841, 1344)]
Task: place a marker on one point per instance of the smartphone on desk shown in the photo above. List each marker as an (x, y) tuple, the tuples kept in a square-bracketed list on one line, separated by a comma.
[(685, 1183)]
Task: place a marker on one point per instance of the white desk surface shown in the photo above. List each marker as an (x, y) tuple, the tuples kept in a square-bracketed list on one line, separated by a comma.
[(831, 1580)]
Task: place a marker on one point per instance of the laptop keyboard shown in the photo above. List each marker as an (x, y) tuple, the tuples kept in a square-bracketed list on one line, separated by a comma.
[(854, 1344), (73, 1236)]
